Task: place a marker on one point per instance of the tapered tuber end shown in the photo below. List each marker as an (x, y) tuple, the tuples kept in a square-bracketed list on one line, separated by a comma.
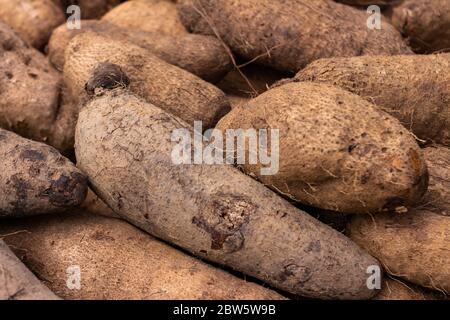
[(106, 76), (68, 190)]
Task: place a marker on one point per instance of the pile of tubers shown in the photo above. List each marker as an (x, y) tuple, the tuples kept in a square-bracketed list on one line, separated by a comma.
[(356, 122)]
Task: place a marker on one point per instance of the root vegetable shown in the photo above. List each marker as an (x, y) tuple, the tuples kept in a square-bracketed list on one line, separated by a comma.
[(30, 88), (426, 24), (215, 212), (34, 20), (118, 261), (336, 151), (415, 89), (61, 135), (159, 16), (437, 198), (289, 34), (171, 88), (412, 246), (203, 56), (36, 179)]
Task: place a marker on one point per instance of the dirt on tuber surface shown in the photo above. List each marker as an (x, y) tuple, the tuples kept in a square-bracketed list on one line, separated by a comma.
[(289, 34), (119, 261), (203, 56), (336, 151), (215, 212), (36, 179), (415, 89)]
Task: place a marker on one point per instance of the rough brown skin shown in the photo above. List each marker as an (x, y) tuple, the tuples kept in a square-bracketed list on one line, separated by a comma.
[(34, 20), (90, 9), (159, 16), (170, 87), (215, 212), (395, 289), (415, 89), (413, 246), (337, 151), (30, 88), (426, 24), (203, 56), (118, 261), (17, 282), (36, 179), (295, 32), (437, 198)]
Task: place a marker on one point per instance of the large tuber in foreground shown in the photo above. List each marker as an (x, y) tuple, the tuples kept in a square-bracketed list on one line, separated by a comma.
[(118, 261), (336, 152), (214, 211)]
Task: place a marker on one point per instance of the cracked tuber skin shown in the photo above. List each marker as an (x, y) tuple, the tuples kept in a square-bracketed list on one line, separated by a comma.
[(215, 212)]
